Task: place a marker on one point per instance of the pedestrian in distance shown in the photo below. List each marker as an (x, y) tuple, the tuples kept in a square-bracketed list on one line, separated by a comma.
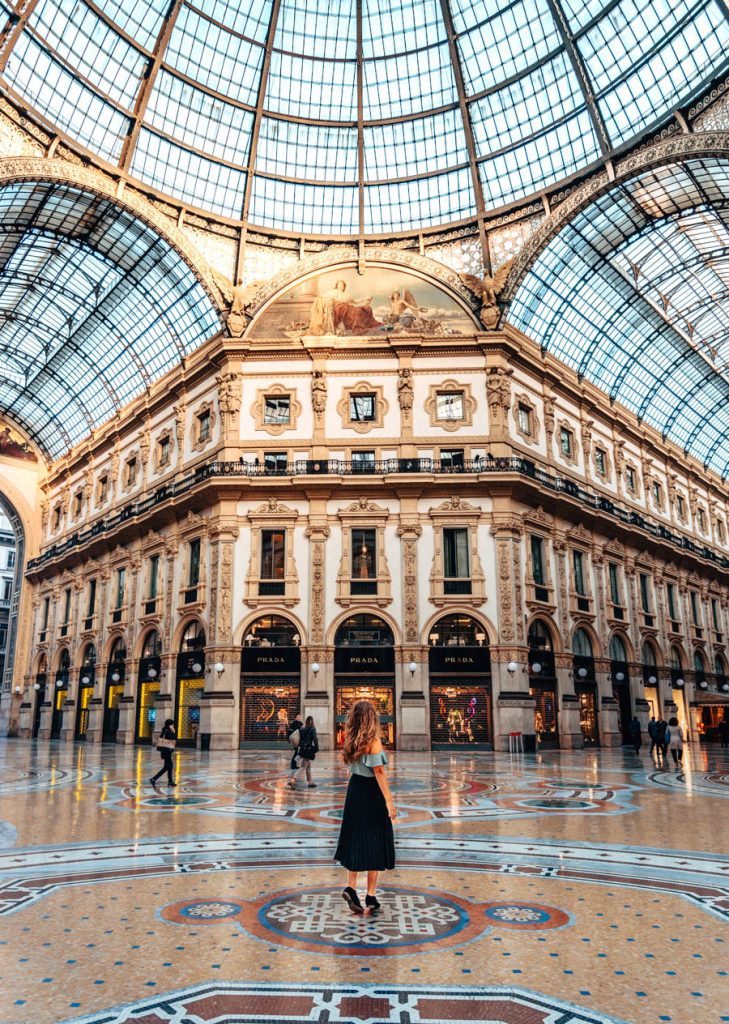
[(723, 731), (653, 734), (166, 745), (293, 735), (674, 738), (308, 749), (636, 735), (366, 838), (661, 727)]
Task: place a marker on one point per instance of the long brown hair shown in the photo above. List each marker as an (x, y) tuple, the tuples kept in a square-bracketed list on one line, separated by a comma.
[(361, 730)]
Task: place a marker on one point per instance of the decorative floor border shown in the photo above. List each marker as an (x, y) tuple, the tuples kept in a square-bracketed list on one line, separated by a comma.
[(246, 1003)]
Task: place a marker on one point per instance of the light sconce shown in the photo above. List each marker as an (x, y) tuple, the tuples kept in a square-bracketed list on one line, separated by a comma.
[(59, 683), (196, 666), (115, 677), (725, 687), (619, 676), (434, 638), (18, 690), (480, 637), (652, 680), (219, 667), (151, 672), (679, 682), (296, 639), (36, 686), (85, 680), (315, 667), (412, 669), (512, 667), (536, 668), (582, 672), (703, 685)]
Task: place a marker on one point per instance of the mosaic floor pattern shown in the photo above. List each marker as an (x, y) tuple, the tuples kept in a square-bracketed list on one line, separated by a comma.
[(558, 888)]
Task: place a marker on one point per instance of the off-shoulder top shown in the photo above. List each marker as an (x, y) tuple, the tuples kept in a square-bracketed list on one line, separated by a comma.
[(365, 764)]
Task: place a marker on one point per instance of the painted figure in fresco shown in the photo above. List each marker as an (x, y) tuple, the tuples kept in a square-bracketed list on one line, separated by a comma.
[(337, 312), (9, 446), (403, 308)]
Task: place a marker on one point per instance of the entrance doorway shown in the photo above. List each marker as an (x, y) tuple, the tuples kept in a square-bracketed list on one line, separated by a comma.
[(459, 664), (114, 690), (190, 685), (148, 687), (364, 669), (543, 685), (40, 686), (60, 693), (270, 687), (85, 691)]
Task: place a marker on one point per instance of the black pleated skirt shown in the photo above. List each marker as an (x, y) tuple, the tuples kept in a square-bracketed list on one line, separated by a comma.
[(366, 840)]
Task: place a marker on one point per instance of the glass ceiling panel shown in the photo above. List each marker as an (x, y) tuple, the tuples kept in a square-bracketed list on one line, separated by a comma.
[(290, 206), (422, 203), (105, 308), (632, 295), (84, 66)]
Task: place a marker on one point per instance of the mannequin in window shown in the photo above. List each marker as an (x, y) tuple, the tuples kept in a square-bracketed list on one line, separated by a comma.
[(362, 563)]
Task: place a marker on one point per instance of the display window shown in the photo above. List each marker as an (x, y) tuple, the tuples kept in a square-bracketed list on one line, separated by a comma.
[(267, 710), (380, 692), (545, 714), (461, 714), (587, 697), (189, 697), (146, 711), (82, 715)]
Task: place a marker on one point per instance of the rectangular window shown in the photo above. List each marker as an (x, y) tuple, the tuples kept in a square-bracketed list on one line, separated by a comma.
[(715, 614), (7, 590), (579, 567), (720, 532), (449, 405), (193, 572), (46, 612), (203, 426), (103, 488), (525, 419), (364, 561), (538, 560), (153, 578), (702, 520), (657, 495), (163, 450), (277, 409), (451, 458), (614, 583), (671, 595), (11, 560), (66, 607), (680, 508), (57, 517), (362, 408), (456, 560), (131, 472), (78, 504), (121, 575), (275, 462), (565, 442), (601, 462), (695, 616), (645, 594), (91, 602), (363, 462), (273, 562), (630, 479)]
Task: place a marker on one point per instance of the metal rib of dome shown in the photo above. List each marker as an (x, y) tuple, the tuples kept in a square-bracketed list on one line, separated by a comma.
[(358, 118), (634, 295), (94, 306)]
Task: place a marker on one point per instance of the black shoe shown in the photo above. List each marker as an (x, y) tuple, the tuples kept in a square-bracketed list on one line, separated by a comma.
[(372, 903), (153, 782), (171, 784), (351, 898)]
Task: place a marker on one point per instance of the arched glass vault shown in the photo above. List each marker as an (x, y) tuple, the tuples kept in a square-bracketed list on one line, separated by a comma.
[(361, 116), (94, 306), (633, 293)]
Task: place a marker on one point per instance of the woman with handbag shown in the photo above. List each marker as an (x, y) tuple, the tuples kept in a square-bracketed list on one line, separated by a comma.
[(166, 745), (308, 749)]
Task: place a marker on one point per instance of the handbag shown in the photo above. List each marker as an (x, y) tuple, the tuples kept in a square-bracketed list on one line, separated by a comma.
[(165, 744), (294, 738)]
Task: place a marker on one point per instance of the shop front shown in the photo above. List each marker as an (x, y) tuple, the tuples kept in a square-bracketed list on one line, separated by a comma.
[(270, 681), (364, 669), (40, 687), (60, 693), (543, 686), (114, 691), (459, 669), (583, 671), (86, 682), (621, 693), (711, 715), (148, 687)]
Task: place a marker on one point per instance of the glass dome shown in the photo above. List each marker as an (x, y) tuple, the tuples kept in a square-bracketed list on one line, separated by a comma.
[(336, 118)]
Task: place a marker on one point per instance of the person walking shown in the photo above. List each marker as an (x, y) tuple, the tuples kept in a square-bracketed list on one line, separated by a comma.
[(674, 738), (293, 735), (166, 746), (653, 734), (723, 731), (308, 749), (661, 737), (636, 736), (366, 838)]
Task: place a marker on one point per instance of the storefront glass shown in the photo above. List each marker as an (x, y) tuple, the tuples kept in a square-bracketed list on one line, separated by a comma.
[(545, 714), (381, 693), (460, 714), (266, 710)]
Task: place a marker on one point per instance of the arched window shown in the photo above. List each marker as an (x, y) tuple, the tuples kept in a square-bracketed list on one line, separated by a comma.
[(540, 636), (581, 644), (699, 665), (118, 650), (617, 649), (364, 631), (89, 658), (152, 647), (674, 658), (648, 655), (457, 631), (64, 661), (193, 639), (719, 666), (272, 631)]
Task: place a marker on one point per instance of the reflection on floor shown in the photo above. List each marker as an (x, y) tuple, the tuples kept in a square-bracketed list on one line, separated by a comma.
[(549, 889)]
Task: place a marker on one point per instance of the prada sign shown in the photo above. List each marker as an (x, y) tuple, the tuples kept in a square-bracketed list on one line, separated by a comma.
[(263, 660), (364, 660), (473, 660)]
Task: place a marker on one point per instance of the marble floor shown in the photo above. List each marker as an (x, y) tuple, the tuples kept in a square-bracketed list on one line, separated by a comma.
[(556, 888)]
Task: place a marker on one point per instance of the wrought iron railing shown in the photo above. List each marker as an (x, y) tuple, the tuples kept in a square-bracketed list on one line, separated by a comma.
[(379, 467)]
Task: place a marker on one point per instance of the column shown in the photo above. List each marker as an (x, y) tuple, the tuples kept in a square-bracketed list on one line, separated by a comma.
[(317, 688), (413, 704), (218, 725)]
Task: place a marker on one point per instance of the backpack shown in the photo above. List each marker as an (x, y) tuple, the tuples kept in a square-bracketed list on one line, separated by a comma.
[(294, 738), (309, 746)]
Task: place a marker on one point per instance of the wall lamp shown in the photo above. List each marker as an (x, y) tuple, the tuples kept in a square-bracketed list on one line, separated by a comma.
[(412, 669), (315, 667)]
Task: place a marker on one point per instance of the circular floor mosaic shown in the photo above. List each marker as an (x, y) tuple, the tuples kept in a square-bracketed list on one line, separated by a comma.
[(526, 916)]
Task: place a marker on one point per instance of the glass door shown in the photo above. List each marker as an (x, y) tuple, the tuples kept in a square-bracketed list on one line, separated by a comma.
[(545, 714), (588, 716), (381, 693)]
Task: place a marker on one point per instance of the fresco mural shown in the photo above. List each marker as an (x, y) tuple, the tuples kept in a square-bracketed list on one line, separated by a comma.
[(343, 303), (13, 445)]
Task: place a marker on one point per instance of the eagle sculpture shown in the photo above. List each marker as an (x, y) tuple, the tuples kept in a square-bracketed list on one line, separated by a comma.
[(488, 289)]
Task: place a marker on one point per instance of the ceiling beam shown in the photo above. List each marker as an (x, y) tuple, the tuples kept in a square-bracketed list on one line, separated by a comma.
[(147, 85), (14, 29)]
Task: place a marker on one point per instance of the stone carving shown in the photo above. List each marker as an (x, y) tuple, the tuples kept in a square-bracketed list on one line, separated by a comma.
[(180, 413), (409, 533), (240, 299), (229, 397), (319, 392), (587, 439), (518, 591), (363, 504), (549, 411), (317, 535), (273, 507), (456, 504), (488, 289), (405, 389), (213, 604), (225, 593), (506, 603)]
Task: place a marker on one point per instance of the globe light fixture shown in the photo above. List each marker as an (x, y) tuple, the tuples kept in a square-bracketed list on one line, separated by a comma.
[(151, 672), (512, 667), (725, 687), (582, 672), (679, 682), (652, 680), (36, 686), (315, 666), (619, 676), (85, 680), (115, 677), (219, 667), (196, 666), (703, 684), (536, 668), (412, 668)]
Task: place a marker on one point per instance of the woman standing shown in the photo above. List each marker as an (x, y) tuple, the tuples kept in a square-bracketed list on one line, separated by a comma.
[(308, 749), (674, 738), (166, 746), (366, 840)]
